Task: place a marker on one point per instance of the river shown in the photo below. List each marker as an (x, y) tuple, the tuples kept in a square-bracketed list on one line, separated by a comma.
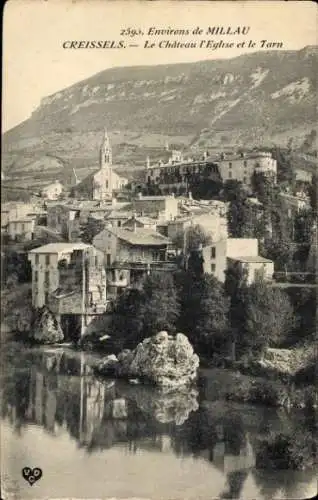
[(94, 438)]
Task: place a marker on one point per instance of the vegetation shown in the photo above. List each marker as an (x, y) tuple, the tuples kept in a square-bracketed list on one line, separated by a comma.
[(295, 450), (90, 229), (192, 238), (139, 314)]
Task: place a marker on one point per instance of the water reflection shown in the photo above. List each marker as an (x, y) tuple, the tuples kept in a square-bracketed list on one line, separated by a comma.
[(58, 391)]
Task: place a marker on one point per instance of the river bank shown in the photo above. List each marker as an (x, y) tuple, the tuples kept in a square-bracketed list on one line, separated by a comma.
[(113, 429)]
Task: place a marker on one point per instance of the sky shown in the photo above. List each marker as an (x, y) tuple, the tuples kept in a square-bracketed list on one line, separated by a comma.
[(36, 65)]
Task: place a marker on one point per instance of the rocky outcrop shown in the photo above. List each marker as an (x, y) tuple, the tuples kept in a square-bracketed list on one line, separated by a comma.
[(164, 360), (47, 329)]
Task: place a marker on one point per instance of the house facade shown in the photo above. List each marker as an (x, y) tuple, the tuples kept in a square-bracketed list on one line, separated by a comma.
[(217, 258), (130, 254), (21, 228), (162, 208), (53, 191), (69, 279)]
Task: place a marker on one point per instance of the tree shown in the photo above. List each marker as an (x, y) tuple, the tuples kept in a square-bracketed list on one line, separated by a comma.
[(191, 238), (203, 310), (126, 323), (142, 313), (235, 287), (303, 223), (212, 315), (285, 171), (313, 194), (17, 264), (269, 316), (240, 217), (90, 229), (159, 308)]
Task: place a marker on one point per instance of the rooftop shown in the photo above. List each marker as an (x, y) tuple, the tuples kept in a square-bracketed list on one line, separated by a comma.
[(140, 236), (154, 198), (117, 214), (60, 247), (256, 259), (23, 219)]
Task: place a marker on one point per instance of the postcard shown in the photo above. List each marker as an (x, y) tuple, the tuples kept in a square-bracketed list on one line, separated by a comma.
[(158, 250)]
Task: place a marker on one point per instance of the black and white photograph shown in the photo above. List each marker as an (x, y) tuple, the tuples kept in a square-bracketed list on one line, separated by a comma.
[(159, 175)]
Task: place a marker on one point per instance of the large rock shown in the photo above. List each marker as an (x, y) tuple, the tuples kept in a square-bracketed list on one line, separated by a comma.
[(47, 329), (167, 361)]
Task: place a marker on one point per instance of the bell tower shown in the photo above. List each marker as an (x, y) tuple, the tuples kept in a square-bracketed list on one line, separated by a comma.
[(106, 152)]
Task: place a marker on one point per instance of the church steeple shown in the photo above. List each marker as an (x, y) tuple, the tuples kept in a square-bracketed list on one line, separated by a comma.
[(106, 152)]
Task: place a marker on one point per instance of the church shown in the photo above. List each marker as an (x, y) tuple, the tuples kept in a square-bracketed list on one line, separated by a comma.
[(101, 184)]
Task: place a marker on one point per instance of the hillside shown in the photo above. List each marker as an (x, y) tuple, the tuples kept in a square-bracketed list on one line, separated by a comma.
[(260, 98)]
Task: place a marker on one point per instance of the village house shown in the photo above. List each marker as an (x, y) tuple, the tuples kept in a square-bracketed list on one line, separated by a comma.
[(162, 208), (18, 220), (241, 252), (21, 229), (140, 222), (67, 218), (69, 279), (53, 191), (214, 224), (130, 254), (103, 183)]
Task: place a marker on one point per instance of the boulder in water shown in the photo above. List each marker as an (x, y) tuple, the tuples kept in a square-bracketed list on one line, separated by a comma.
[(47, 329), (167, 361)]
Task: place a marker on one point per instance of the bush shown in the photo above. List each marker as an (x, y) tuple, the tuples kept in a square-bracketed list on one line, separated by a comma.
[(269, 393), (287, 451)]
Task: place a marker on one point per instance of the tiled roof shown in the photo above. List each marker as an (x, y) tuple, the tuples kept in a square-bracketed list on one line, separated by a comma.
[(117, 214), (60, 247), (140, 236), (256, 259)]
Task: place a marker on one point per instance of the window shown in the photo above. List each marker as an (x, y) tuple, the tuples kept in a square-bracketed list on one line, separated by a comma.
[(36, 276), (230, 175), (47, 278), (119, 223), (244, 180), (47, 260), (245, 163), (96, 261), (212, 268), (22, 227), (108, 259), (213, 253), (46, 297), (230, 164), (37, 259), (106, 184)]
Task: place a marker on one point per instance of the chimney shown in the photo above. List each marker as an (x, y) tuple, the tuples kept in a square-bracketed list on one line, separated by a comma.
[(134, 222)]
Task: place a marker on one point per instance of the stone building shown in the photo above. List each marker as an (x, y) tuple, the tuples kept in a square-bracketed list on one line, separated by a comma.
[(101, 184), (70, 280), (179, 174)]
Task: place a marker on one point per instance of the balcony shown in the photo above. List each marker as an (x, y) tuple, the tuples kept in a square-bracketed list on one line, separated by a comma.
[(155, 265)]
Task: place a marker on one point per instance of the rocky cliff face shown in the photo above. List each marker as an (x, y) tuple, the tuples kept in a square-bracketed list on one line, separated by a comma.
[(261, 97)]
